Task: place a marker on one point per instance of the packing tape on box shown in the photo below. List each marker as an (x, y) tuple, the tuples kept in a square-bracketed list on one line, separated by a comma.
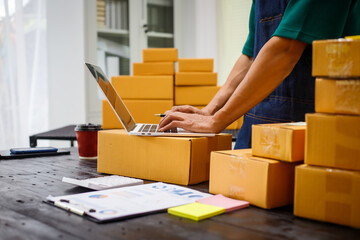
[(337, 184), (347, 99), (338, 187), (238, 167), (347, 151), (339, 59), (269, 141)]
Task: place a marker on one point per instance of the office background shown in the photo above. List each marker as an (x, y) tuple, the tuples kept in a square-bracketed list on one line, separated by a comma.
[(44, 44)]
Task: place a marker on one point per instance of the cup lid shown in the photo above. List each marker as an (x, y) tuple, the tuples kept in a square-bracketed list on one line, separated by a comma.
[(88, 127)]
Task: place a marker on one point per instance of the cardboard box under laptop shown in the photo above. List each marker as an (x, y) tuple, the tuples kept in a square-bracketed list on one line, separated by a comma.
[(336, 58), (327, 194), (142, 111), (281, 141), (337, 96), (263, 182), (179, 160), (333, 141)]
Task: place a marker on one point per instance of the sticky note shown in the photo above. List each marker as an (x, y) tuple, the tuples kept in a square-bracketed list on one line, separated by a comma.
[(228, 204), (196, 211)]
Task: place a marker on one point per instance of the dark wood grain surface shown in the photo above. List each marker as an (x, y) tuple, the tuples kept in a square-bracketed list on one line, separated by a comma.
[(25, 183)]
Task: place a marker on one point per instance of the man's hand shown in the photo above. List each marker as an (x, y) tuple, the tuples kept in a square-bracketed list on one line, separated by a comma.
[(189, 121), (187, 109)]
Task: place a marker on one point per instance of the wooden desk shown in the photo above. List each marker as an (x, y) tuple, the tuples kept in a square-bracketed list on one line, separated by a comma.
[(24, 184)]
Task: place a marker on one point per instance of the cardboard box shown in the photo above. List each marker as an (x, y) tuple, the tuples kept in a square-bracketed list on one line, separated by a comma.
[(142, 111), (109, 118), (195, 95), (281, 141), (153, 68), (233, 126), (326, 194), (333, 141), (336, 58), (144, 87), (337, 96), (263, 182), (196, 64), (160, 55), (195, 78), (179, 160)]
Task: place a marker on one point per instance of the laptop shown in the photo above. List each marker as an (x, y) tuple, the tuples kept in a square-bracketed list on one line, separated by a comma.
[(131, 127)]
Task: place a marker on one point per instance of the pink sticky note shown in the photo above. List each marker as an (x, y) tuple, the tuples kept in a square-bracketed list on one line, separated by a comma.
[(220, 200)]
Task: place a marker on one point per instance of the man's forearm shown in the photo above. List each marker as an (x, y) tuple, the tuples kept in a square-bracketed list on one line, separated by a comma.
[(236, 75), (273, 64)]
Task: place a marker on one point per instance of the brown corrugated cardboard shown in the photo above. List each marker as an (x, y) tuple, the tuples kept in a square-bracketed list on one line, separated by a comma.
[(153, 68), (196, 64), (109, 118), (179, 160), (337, 96), (326, 194), (333, 141), (195, 78), (160, 55), (142, 111), (195, 95), (263, 182), (336, 58), (281, 141), (144, 87)]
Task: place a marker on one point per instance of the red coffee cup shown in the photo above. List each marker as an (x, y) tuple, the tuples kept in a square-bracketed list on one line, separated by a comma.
[(86, 136)]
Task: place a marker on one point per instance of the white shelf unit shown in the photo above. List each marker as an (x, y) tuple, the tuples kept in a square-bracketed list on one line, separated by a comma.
[(144, 30)]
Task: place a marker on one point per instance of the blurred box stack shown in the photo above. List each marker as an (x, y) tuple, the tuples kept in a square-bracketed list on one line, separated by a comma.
[(263, 175), (196, 84), (327, 186), (149, 91)]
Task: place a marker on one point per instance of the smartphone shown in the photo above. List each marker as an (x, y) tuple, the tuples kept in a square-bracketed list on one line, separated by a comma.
[(32, 150)]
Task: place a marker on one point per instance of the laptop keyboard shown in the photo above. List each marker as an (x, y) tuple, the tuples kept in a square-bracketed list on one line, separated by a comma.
[(151, 128)]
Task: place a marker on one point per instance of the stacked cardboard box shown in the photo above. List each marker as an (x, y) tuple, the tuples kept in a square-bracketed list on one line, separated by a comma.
[(149, 91), (327, 186), (196, 84), (184, 160), (263, 175)]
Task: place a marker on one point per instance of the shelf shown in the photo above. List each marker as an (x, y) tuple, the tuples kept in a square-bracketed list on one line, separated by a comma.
[(160, 35), (112, 32)]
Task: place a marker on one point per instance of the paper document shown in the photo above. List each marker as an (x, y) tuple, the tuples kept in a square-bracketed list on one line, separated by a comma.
[(117, 203)]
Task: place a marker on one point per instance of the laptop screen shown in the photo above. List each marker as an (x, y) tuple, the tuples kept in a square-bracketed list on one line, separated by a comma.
[(113, 98)]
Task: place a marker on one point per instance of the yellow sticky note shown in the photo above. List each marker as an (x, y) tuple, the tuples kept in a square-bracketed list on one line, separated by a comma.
[(196, 211)]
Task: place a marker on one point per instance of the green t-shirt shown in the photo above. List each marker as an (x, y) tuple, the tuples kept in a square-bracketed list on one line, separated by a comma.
[(309, 20)]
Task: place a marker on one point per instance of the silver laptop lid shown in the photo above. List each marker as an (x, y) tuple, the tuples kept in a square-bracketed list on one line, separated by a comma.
[(113, 98)]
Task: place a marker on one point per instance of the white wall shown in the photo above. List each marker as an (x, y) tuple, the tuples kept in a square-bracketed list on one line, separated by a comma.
[(233, 28), (195, 29), (212, 29), (65, 42)]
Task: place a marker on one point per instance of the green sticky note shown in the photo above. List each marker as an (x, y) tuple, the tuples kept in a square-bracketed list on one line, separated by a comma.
[(196, 211)]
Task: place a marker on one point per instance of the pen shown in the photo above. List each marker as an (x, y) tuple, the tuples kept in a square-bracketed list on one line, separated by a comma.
[(160, 115)]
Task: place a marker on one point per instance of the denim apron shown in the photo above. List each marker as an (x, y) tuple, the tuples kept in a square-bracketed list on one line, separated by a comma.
[(295, 95)]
